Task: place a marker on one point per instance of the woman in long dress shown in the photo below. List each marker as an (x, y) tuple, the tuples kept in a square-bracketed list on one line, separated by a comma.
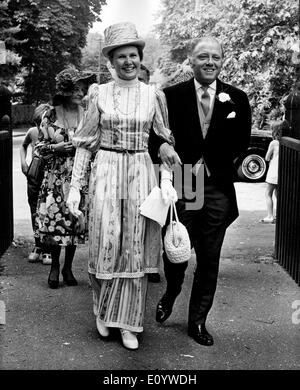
[(124, 246), (55, 226)]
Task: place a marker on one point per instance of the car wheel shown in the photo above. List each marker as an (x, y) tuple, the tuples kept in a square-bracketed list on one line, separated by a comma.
[(252, 167)]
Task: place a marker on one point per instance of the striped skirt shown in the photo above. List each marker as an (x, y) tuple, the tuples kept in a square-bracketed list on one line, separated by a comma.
[(124, 246)]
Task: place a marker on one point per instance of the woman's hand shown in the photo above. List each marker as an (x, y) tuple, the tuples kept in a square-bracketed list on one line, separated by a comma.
[(168, 192), (73, 202), (63, 148), (168, 155)]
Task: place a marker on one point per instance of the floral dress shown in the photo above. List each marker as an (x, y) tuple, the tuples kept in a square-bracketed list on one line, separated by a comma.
[(55, 225), (124, 246)]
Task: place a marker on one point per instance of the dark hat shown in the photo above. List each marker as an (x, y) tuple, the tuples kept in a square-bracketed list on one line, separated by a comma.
[(67, 78)]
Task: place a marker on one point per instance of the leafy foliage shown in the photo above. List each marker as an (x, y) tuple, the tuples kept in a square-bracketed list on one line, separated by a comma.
[(56, 31), (91, 53), (258, 37), (8, 30)]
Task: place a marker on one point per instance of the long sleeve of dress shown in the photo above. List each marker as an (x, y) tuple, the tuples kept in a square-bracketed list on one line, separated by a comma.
[(161, 121), (87, 134), (81, 163), (160, 131)]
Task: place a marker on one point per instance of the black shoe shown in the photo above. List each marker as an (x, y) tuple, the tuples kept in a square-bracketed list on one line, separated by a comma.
[(53, 279), (69, 278), (164, 309), (200, 335), (154, 278)]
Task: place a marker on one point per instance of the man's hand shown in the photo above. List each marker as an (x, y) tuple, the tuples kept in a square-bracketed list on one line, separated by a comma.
[(24, 167), (63, 147), (168, 155)]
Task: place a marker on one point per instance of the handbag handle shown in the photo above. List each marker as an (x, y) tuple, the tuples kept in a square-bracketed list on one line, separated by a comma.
[(175, 238)]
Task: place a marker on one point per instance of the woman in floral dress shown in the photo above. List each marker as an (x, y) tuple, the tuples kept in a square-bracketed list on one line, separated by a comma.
[(55, 226), (124, 246)]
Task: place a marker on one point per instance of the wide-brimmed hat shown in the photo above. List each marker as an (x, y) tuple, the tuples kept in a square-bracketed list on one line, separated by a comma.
[(67, 78), (121, 34)]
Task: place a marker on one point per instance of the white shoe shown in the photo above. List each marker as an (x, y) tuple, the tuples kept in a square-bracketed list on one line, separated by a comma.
[(35, 255), (102, 329), (129, 339), (47, 259)]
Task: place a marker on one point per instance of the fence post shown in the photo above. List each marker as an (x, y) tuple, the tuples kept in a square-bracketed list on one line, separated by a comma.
[(6, 171)]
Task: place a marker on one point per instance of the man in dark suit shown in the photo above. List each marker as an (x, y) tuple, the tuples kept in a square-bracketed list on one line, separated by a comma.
[(211, 124)]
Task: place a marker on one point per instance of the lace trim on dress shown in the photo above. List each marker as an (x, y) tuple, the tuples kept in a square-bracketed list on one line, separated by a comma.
[(128, 275)]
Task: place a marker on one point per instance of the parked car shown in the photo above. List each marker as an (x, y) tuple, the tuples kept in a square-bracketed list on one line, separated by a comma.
[(252, 167)]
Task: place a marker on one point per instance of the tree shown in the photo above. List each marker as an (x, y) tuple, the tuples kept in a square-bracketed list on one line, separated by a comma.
[(258, 36), (91, 53), (7, 35), (152, 52), (56, 31)]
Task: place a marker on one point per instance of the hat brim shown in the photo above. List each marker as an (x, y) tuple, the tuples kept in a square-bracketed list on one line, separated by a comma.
[(140, 43), (88, 77)]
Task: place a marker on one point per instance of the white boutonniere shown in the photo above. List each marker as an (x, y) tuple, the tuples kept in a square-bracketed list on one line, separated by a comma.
[(232, 114), (224, 97)]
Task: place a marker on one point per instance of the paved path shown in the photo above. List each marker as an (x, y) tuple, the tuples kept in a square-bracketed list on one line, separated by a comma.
[(252, 319)]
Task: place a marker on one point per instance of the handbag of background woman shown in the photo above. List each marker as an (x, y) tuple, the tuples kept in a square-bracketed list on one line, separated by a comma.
[(177, 241), (36, 168)]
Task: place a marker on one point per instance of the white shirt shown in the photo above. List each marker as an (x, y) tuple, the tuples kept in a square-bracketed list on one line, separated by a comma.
[(212, 88)]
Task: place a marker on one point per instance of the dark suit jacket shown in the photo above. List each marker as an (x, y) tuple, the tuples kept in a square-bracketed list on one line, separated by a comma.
[(226, 138)]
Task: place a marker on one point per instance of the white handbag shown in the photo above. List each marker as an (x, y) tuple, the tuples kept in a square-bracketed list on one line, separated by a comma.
[(177, 241)]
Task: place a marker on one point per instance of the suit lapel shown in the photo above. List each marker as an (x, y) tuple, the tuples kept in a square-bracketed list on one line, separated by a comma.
[(217, 110)]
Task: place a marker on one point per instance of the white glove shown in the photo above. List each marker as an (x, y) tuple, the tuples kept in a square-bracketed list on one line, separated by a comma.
[(73, 202), (168, 192), (80, 166)]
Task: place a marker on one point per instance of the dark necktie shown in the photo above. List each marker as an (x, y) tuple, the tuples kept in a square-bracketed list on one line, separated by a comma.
[(205, 100)]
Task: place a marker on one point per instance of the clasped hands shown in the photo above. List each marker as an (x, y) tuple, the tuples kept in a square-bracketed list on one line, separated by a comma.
[(169, 158), (63, 148)]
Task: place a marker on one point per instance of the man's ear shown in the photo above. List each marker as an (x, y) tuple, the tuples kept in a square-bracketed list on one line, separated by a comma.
[(191, 62)]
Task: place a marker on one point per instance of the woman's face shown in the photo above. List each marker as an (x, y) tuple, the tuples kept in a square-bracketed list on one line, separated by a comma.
[(79, 92), (126, 62)]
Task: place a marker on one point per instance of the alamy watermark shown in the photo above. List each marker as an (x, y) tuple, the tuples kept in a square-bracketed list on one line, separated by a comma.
[(296, 313), (188, 181), (2, 313)]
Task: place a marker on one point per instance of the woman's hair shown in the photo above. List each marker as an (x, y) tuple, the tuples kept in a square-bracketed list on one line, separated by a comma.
[(139, 49), (39, 111), (276, 128)]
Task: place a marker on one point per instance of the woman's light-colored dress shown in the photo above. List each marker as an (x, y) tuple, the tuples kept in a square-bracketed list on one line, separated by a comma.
[(124, 246), (273, 152)]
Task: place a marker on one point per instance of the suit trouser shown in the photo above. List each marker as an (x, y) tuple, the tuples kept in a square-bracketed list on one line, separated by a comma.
[(206, 228)]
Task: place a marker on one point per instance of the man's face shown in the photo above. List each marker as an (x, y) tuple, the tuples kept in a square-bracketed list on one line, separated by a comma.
[(206, 61)]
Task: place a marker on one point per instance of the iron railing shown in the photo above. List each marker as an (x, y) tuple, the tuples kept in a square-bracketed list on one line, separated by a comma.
[(287, 233), (6, 185)]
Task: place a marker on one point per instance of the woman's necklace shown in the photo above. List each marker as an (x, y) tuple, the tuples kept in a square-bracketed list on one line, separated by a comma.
[(67, 125), (117, 99)]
